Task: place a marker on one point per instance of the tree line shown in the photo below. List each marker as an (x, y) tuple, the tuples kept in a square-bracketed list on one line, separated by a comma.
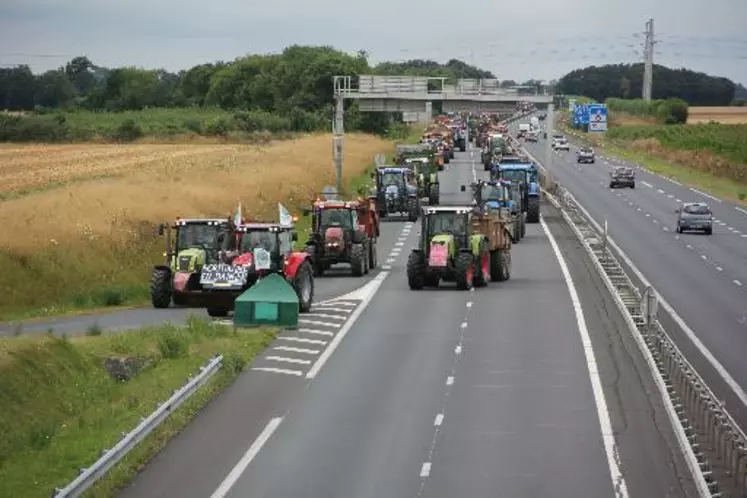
[(625, 81)]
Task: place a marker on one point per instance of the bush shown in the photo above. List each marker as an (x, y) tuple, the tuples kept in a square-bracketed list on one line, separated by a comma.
[(127, 131), (218, 126), (670, 111)]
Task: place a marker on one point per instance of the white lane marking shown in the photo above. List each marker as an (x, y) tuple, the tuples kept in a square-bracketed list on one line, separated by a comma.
[(718, 268), (648, 215), (316, 332), (705, 195), (703, 257), (331, 308), (638, 209), (725, 375), (647, 184), (425, 470), (689, 246), (439, 419), (396, 250), (608, 435), (391, 260), (338, 302), (666, 229), (386, 267), (458, 349), (450, 380), (743, 211), (317, 322), (368, 291), (469, 304), (324, 315), (463, 325), (402, 239), (737, 282), (678, 200), (656, 221), (660, 191), (296, 373), (744, 235), (288, 360), (399, 244), (296, 350), (670, 196), (303, 340), (673, 181), (250, 454)]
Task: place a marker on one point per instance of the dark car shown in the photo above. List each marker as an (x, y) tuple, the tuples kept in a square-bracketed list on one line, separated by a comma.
[(694, 216), (622, 176)]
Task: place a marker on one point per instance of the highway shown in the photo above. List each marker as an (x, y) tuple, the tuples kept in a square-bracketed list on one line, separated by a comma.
[(441, 393), (703, 278)]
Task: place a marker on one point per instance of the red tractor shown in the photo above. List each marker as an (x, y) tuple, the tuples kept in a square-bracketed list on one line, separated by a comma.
[(213, 272), (343, 232)]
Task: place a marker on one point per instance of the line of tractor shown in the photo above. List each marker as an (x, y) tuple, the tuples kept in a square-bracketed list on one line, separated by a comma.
[(209, 262)]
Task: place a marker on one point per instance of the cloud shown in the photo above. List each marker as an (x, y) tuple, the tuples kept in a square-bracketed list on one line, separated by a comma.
[(542, 39)]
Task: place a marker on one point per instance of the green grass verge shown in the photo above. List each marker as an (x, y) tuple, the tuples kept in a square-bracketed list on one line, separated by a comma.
[(61, 408)]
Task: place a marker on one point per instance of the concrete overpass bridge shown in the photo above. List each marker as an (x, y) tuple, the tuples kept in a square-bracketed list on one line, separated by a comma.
[(415, 95)]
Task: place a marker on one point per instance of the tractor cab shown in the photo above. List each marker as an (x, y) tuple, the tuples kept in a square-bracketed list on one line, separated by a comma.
[(448, 226), (333, 224), (262, 247), (197, 242), (526, 175)]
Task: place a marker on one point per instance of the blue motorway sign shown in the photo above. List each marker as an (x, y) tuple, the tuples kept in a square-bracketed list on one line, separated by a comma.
[(597, 117), (581, 114)]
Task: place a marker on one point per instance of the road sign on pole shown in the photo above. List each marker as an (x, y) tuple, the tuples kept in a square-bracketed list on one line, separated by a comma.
[(597, 117)]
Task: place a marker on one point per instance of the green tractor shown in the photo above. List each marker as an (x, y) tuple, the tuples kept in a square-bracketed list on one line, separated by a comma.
[(426, 174), (496, 148), (460, 244)]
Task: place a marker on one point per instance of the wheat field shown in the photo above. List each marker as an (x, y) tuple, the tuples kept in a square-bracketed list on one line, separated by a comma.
[(117, 187), (723, 115)]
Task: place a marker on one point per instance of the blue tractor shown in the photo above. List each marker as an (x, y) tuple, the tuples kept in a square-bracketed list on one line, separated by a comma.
[(502, 194), (397, 192), (523, 172)]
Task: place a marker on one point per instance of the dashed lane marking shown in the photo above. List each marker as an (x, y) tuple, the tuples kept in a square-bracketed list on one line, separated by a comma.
[(288, 360), (325, 333), (285, 371), (302, 340), (291, 349)]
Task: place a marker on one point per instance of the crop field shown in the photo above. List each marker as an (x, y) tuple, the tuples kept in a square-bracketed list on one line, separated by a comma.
[(83, 217), (723, 115)]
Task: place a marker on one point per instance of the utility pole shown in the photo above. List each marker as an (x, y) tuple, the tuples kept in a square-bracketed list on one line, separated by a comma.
[(648, 64), (550, 127), (338, 132)]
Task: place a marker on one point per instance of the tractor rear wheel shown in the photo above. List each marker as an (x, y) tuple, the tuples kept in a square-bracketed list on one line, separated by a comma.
[(372, 255), (303, 284), (358, 260), (315, 260), (160, 288), (533, 210), (500, 265), (434, 196), (366, 257), (416, 270), (465, 270)]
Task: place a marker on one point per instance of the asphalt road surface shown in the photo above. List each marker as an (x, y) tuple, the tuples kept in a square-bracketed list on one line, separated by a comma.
[(704, 278), (336, 282), (441, 393)]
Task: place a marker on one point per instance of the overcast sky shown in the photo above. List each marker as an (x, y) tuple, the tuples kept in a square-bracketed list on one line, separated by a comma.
[(541, 39)]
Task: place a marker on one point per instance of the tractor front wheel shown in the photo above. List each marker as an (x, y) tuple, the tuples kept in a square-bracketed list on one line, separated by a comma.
[(315, 260), (358, 259), (160, 288), (465, 271), (416, 270), (303, 284), (217, 312)]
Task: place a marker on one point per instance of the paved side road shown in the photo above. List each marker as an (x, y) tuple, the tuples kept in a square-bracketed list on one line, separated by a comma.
[(336, 282), (701, 277)]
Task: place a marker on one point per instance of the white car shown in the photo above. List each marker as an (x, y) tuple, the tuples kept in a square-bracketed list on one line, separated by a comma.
[(561, 144)]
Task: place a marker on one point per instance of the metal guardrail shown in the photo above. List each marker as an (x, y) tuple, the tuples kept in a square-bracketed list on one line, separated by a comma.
[(718, 456), (367, 84), (110, 457)]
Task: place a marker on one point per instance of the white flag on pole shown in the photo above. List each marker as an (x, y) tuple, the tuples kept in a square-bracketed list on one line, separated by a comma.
[(286, 219), (237, 215)]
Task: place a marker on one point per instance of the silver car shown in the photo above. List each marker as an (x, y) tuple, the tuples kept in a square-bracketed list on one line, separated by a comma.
[(694, 216), (585, 155)]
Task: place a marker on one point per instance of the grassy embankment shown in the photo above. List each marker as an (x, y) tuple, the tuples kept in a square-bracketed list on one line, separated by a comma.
[(79, 221), (206, 125), (61, 407), (708, 155)]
